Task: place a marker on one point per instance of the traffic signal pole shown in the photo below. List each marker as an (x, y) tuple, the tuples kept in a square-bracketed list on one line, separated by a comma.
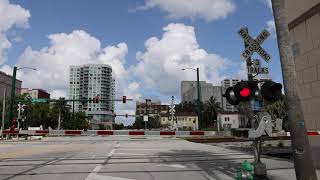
[(303, 164), (199, 100), (13, 92)]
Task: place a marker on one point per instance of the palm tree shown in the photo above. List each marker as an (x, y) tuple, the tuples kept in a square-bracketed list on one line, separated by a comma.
[(278, 110), (212, 107)]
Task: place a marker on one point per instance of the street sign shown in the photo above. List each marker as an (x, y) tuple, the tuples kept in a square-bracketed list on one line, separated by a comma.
[(28, 97), (39, 100), (145, 118), (257, 70), (254, 44)]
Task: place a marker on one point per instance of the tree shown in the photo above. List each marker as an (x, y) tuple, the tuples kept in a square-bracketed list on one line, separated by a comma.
[(246, 114), (138, 123), (117, 126), (211, 109), (278, 110), (154, 122)]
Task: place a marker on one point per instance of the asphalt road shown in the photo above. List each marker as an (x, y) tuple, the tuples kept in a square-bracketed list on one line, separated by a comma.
[(125, 158)]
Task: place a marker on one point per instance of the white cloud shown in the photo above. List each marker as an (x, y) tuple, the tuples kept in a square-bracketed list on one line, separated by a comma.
[(159, 66), (75, 48), (11, 16), (269, 3), (208, 10), (271, 27)]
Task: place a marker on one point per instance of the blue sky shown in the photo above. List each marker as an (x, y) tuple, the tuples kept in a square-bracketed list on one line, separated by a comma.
[(133, 22)]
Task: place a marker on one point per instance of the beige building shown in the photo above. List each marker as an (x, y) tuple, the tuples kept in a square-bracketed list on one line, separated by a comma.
[(35, 93), (229, 118), (5, 83), (183, 121), (304, 27)]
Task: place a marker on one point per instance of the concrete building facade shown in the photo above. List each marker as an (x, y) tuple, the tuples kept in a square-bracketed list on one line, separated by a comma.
[(229, 118), (153, 108), (183, 121), (304, 28), (5, 83), (87, 82), (35, 93)]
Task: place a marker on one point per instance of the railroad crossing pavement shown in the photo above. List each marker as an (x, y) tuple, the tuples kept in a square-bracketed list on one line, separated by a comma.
[(126, 158)]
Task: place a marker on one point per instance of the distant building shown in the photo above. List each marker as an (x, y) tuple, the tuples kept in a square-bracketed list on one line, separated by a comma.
[(225, 84), (183, 121), (88, 81), (189, 91), (229, 118), (151, 108), (187, 85), (35, 93), (5, 83)]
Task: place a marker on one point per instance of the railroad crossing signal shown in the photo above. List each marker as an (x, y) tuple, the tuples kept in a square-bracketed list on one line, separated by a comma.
[(254, 45), (245, 91), (265, 126)]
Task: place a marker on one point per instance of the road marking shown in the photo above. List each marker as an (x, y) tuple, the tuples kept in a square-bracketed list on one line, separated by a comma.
[(137, 149), (172, 165), (132, 154), (94, 174), (100, 177)]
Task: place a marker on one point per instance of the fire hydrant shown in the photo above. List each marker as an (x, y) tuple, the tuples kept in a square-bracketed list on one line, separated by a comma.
[(245, 173)]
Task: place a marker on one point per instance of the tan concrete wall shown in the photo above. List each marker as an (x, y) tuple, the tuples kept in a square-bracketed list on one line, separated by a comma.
[(297, 7), (306, 47)]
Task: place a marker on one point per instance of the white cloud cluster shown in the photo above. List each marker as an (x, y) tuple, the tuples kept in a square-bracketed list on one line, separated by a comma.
[(160, 65), (75, 48), (208, 10), (269, 3), (11, 16), (271, 27)]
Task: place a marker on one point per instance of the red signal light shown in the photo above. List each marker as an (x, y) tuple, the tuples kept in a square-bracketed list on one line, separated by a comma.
[(245, 92)]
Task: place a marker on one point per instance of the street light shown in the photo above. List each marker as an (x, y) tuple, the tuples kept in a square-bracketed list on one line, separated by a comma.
[(13, 88), (199, 94)]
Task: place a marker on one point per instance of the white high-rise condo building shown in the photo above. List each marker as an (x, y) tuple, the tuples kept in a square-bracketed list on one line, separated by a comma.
[(88, 81)]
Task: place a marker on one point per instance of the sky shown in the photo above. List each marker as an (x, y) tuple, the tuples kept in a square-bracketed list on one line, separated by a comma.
[(147, 43)]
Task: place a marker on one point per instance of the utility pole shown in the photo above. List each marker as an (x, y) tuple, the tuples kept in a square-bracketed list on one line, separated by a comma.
[(13, 92), (59, 119), (3, 111), (199, 100), (303, 164), (145, 122)]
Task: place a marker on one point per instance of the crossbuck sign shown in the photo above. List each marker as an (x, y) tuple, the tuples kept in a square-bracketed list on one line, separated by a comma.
[(254, 45)]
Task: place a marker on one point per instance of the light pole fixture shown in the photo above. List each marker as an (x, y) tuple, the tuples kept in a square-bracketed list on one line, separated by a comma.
[(13, 88), (199, 95)]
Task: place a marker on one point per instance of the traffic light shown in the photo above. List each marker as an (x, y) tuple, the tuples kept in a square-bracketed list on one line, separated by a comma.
[(245, 91), (242, 91), (126, 115), (124, 99), (271, 91)]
